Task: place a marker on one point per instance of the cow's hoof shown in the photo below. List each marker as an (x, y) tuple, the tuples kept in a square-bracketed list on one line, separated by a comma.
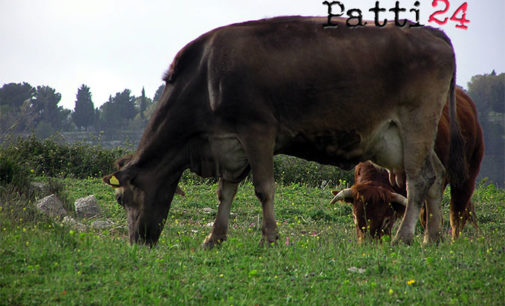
[(432, 239), (270, 244), (265, 242), (403, 238), (212, 241)]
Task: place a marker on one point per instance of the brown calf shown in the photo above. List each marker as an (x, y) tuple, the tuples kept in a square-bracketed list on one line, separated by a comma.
[(376, 204)]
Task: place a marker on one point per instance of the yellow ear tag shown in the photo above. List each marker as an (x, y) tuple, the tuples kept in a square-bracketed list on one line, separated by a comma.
[(114, 181)]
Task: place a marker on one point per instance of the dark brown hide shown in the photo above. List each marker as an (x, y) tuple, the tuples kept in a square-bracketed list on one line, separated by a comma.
[(239, 94)]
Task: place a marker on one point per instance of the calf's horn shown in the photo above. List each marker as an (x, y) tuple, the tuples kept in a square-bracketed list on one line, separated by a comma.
[(398, 199), (344, 195)]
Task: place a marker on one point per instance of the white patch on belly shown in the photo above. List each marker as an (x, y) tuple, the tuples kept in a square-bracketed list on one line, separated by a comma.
[(386, 146)]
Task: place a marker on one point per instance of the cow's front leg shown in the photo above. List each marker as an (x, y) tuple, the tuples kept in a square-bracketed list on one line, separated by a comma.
[(225, 193)]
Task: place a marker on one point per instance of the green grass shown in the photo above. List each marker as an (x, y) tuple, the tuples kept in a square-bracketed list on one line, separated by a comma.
[(317, 260)]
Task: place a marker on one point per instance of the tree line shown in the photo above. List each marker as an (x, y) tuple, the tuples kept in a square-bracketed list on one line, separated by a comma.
[(27, 109), (24, 108), (488, 93)]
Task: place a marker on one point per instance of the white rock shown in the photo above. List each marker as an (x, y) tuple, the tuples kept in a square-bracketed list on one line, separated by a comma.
[(102, 224), (74, 224), (208, 210), (51, 206), (356, 270), (87, 207), (39, 187)]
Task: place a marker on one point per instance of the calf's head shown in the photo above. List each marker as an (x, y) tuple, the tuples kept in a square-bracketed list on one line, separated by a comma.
[(375, 208), (145, 198)]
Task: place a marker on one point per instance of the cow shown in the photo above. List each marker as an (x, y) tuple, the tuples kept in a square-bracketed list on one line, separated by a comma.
[(239, 94), (378, 201)]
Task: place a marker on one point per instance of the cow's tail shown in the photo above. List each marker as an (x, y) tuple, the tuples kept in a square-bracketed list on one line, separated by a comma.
[(456, 167)]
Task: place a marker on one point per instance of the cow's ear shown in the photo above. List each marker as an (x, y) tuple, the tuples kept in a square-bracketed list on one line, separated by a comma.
[(112, 180), (120, 163), (119, 178)]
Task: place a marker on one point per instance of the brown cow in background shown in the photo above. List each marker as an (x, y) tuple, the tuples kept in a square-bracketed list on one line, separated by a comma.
[(377, 202)]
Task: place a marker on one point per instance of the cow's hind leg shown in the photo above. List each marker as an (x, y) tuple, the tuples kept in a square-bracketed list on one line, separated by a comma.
[(462, 208), (418, 184), (225, 193), (472, 217), (418, 131), (433, 219), (260, 155)]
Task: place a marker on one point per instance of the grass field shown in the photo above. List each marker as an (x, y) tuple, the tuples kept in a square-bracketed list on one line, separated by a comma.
[(316, 262)]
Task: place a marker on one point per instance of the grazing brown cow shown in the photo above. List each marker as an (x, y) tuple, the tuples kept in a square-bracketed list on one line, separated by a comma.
[(239, 94), (373, 195)]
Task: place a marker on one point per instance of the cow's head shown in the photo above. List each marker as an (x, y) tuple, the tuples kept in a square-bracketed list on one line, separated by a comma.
[(375, 208), (145, 198)]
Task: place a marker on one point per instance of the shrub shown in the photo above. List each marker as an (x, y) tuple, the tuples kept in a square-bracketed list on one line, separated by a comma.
[(12, 173), (54, 158), (57, 187), (288, 170), (291, 170), (50, 157)]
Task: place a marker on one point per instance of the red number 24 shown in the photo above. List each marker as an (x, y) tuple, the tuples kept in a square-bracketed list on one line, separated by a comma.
[(461, 10)]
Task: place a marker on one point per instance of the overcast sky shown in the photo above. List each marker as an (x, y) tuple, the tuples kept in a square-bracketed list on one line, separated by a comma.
[(113, 45)]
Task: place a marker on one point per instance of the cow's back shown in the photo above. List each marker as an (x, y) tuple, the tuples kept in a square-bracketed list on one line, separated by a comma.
[(309, 82), (307, 75)]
